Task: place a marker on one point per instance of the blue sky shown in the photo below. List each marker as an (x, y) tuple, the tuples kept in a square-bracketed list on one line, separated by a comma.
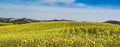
[(79, 10)]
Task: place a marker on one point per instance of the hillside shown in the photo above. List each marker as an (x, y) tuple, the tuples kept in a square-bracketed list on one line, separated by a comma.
[(17, 20), (112, 22), (60, 34)]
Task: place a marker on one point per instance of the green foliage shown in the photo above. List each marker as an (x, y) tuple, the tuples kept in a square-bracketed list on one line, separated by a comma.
[(60, 34)]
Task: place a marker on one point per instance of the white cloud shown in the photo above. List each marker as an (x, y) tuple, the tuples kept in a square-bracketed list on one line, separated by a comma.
[(62, 1), (80, 4), (65, 3)]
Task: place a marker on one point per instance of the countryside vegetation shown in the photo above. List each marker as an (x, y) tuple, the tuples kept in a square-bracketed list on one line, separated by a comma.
[(60, 34)]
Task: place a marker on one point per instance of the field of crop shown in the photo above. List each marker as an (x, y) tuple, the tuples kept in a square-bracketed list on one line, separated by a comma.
[(60, 34)]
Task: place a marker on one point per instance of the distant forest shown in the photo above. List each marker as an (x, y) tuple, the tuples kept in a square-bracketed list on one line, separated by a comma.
[(25, 20)]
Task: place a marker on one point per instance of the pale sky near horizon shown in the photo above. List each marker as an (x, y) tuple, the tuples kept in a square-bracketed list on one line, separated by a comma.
[(79, 10)]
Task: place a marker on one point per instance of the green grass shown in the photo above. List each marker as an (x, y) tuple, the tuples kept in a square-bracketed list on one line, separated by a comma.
[(60, 34)]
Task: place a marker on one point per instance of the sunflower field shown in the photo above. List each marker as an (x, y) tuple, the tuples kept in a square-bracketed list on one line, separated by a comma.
[(60, 34)]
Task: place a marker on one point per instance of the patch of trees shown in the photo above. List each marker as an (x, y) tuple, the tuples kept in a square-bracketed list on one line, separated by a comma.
[(20, 21), (14, 20), (59, 20), (112, 22)]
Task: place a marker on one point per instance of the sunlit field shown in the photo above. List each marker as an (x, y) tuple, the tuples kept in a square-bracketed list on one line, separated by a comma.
[(60, 34)]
